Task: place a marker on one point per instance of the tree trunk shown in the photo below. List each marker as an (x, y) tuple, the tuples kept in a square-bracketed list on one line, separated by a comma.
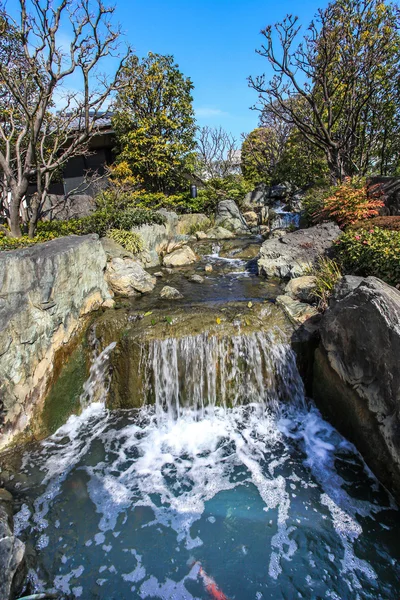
[(15, 224), (35, 204), (336, 167)]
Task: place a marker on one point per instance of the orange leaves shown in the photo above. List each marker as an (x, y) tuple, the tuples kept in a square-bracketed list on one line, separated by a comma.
[(350, 202)]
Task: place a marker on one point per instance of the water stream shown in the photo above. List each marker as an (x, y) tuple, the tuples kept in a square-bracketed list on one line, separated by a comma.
[(227, 483)]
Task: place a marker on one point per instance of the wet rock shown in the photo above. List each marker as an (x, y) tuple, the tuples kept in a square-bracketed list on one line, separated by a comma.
[(180, 257), (12, 551), (196, 278), (170, 293), (298, 312), (292, 255), (301, 288), (220, 233), (127, 277), (229, 217), (208, 268), (357, 375)]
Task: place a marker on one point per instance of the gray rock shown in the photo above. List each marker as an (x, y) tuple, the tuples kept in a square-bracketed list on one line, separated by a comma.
[(201, 235), (49, 289), (114, 250), (196, 278), (258, 196), (148, 258), (294, 253), (127, 277), (301, 288), (344, 286), (279, 191), (170, 293), (357, 375), (298, 312), (180, 258), (229, 217), (219, 233), (12, 551)]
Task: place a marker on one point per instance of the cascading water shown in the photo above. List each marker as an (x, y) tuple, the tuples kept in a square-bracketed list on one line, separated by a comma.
[(224, 480), (204, 371)]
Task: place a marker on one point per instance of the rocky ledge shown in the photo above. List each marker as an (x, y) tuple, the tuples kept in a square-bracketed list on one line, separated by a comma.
[(293, 254), (356, 379), (46, 293)]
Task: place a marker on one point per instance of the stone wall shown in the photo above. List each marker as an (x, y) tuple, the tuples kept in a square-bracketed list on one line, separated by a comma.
[(46, 293)]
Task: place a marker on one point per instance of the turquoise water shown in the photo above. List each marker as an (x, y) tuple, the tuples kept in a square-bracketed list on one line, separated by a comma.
[(267, 504)]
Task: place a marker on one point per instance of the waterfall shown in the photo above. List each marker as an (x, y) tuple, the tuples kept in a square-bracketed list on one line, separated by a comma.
[(96, 386), (203, 371)]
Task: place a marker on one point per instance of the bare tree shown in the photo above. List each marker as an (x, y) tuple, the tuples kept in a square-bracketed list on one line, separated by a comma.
[(45, 124), (217, 152), (334, 85)]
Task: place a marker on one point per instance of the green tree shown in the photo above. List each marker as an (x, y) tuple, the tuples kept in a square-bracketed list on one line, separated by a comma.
[(271, 155), (154, 122), (346, 72)]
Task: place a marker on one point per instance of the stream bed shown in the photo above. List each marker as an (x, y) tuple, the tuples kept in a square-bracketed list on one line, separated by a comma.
[(228, 484)]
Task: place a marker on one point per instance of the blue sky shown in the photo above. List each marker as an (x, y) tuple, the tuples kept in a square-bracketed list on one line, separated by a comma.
[(214, 43)]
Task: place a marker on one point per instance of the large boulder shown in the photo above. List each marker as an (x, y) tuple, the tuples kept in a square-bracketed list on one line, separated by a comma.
[(180, 257), (229, 217), (47, 293), (357, 375), (293, 254), (127, 278), (12, 551)]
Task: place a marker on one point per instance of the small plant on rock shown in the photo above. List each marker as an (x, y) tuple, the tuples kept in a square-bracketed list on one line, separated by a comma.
[(132, 242), (327, 273)]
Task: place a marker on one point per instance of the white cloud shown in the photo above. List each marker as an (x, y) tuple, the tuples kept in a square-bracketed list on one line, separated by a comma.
[(207, 112)]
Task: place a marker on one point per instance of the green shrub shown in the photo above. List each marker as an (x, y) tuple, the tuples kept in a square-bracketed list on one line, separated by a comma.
[(313, 202), (327, 273), (137, 217), (129, 240), (372, 251), (9, 243), (101, 221), (232, 187)]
